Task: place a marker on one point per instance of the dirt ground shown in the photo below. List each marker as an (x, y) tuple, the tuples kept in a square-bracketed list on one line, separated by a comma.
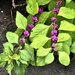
[(7, 24)]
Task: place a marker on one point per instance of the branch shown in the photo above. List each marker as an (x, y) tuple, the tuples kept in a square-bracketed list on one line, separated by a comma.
[(13, 4)]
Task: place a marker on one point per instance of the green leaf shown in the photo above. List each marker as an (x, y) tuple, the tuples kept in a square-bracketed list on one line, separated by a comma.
[(8, 48), (30, 51), (29, 19), (73, 47), (19, 31), (23, 62), (32, 7), (2, 55), (9, 68), (63, 37), (39, 41), (39, 29), (20, 70), (17, 62), (40, 61), (64, 58), (71, 5), (43, 51), (27, 1), (52, 5), (49, 58), (43, 2), (66, 26), (2, 64), (21, 21), (16, 57), (12, 37), (63, 47), (66, 48), (72, 34), (5, 58), (66, 13), (43, 17), (49, 31), (24, 55), (48, 44), (68, 1), (68, 42)]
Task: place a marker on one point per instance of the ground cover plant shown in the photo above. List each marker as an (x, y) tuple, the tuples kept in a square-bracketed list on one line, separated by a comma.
[(46, 32)]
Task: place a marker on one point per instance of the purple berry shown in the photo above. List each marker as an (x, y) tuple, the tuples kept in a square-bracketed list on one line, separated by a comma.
[(26, 33), (55, 26), (30, 26), (40, 10), (54, 32), (53, 45), (59, 3), (22, 40), (54, 38), (35, 19), (53, 19), (56, 10)]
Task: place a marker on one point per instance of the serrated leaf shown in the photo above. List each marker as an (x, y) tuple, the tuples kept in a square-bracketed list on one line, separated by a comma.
[(49, 58), (21, 21), (63, 37), (43, 51), (39, 29), (64, 58), (67, 13), (32, 7), (66, 26), (43, 17), (43, 2), (39, 41), (12, 37)]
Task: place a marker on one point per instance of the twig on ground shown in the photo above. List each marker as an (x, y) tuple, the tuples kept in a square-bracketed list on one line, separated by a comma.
[(14, 5)]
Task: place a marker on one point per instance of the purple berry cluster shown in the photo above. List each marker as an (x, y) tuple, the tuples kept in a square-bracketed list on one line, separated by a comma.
[(54, 32), (30, 27), (23, 40)]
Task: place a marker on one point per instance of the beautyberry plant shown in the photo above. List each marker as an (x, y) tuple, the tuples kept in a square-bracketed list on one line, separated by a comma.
[(47, 31)]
